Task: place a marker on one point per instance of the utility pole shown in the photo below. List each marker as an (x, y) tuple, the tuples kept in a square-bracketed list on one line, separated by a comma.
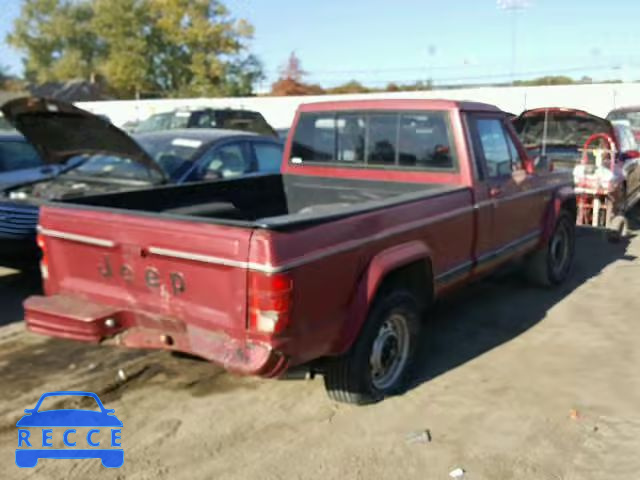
[(513, 7), (431, 51)]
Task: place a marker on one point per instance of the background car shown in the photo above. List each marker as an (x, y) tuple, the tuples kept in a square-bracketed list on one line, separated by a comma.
[(19, 161), (564, 136), (629, 114), (282, 133), (105, 159), (244, 120)]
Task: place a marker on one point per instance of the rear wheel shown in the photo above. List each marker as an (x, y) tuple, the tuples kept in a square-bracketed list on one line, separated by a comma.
[(617, 229), (378, 363), (551, 264)]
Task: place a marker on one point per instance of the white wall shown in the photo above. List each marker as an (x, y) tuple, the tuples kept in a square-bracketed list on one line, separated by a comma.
[(279, 111)]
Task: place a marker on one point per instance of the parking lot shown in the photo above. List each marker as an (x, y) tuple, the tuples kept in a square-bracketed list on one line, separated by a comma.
[(514, 382)]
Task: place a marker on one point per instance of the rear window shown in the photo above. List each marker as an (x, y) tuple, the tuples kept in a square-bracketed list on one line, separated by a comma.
[(413, 140)]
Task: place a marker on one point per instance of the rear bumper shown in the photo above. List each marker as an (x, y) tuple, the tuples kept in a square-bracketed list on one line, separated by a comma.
[(77, 319)]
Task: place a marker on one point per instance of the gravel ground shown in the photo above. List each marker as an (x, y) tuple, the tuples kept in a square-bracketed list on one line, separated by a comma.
[(513, 383)]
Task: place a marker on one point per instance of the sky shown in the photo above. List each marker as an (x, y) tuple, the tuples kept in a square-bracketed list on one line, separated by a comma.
[(450, 41)]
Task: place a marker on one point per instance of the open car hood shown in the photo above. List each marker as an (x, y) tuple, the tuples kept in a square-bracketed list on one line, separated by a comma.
[(58, 130), (565, 127)]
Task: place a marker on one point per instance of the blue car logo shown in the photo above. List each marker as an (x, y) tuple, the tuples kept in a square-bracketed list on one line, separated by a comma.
[(102, 428)]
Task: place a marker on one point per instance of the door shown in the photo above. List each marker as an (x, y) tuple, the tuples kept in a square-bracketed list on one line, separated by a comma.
[(516, 199)]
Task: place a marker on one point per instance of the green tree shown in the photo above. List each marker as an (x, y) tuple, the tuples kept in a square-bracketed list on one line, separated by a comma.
[(197, 43), (125, 28), (157, 47), (58, 39)]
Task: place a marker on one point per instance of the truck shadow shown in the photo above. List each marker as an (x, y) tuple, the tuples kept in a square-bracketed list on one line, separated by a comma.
[(491, 312), (15, 287)]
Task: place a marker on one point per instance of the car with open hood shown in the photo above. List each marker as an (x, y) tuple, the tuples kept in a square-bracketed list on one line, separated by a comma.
[(586, 144), (101, 158), (20, 162), (628, 114)]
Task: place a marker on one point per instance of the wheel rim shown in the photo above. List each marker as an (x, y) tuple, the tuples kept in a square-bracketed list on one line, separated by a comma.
[(390, 352), (560, 249)]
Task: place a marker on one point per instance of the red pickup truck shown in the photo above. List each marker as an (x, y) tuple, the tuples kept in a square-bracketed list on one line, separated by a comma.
[(380, 208)]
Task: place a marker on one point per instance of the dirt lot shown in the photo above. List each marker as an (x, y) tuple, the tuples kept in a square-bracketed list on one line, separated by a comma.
[(505, 367)]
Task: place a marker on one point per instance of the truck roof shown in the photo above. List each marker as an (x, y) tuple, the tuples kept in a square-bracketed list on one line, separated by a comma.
[(398, 104)]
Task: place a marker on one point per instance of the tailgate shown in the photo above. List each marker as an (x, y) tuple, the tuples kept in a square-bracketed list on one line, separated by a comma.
[(194, 272)]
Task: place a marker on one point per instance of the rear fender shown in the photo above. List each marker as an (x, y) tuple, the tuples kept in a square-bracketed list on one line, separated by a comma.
[(563, 199), (383, 264)]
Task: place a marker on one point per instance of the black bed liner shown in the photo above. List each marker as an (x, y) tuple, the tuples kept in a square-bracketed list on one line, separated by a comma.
[(276, 202)]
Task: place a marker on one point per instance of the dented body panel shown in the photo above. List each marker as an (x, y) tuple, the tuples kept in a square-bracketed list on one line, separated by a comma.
[(260, 294)]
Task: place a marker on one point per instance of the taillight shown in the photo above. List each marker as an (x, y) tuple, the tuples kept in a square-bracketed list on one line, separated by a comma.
[(44, 260), (270, 300)]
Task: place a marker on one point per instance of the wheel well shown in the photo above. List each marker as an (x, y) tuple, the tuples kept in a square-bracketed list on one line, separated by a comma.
[(570, 206), (417, 277)]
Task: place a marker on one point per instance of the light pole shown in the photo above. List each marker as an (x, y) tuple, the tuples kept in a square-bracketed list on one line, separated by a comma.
[(513, 6), (431, 51)]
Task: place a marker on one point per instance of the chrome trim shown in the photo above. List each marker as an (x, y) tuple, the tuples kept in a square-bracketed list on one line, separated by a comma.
[(484, 203), (509, 246), (74, 237), (468, 265), (196, 257)]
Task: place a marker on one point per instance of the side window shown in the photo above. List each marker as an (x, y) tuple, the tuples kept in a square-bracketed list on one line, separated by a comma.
[(494, 147), (225, 162), (516, 162), (425, 142), (204, 120), (383, 135), (269, 156), (351, 138)]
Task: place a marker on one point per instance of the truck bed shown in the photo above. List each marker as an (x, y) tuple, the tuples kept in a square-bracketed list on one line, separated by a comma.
[(277, 202)]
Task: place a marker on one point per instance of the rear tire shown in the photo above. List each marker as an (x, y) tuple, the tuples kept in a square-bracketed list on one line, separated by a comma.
[(552, 263), (617, 229), (378, 363)]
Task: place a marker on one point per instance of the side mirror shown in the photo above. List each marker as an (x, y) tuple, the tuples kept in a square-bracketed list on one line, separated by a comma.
[(543, 164), (29, 410)]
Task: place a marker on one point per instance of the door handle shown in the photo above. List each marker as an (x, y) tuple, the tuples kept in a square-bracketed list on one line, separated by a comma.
[(495, 192)]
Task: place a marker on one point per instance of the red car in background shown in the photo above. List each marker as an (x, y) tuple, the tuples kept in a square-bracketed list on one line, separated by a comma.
[(631, 115), (602, 154)]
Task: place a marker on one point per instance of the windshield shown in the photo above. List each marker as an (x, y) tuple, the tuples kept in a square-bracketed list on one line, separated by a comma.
[(172, 153), (113, 167)]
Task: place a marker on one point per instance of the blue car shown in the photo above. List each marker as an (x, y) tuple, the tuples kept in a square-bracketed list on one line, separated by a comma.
[(19, 162), (94, 157), (28, 453)]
